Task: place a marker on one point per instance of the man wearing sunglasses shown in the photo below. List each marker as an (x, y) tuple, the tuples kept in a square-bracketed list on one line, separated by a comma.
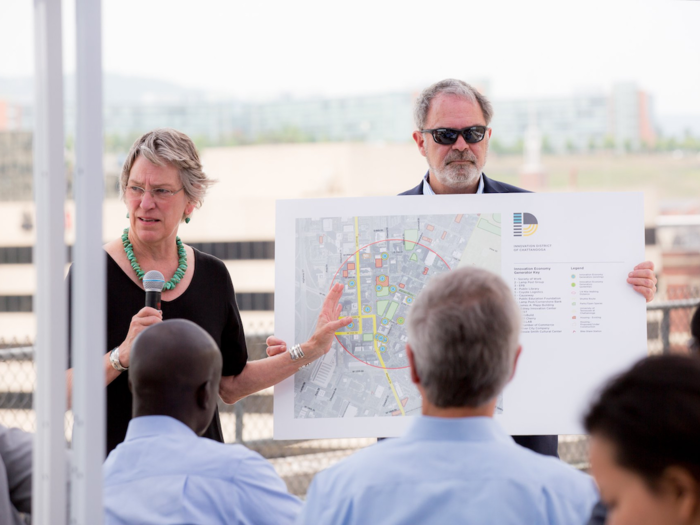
[(452, 133)]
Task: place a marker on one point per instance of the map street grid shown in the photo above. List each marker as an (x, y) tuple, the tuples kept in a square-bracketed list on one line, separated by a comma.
[(383, 263)]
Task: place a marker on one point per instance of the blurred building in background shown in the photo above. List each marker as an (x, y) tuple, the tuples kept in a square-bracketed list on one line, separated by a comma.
[(14, 116), (373, 118), (16, 165), (678, 236), (622, 119)]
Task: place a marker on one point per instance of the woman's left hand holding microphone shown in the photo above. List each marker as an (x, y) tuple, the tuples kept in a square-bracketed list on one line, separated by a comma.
[(145, 317)]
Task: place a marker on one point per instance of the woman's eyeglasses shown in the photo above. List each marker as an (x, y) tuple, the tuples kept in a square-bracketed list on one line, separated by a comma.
[(448, 136), (158, 194)]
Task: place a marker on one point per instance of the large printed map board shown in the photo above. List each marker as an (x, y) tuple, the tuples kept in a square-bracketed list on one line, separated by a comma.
[(384, 251)]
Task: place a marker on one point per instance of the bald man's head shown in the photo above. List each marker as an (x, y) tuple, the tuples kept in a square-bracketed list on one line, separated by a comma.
[(175, 371)]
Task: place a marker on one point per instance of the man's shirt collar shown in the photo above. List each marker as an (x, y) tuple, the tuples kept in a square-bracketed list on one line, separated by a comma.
[(146, 426), (427, 190), (464, 429)]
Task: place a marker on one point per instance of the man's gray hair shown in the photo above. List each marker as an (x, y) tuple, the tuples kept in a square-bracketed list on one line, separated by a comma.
[(450, 86), (169, 146), (463, 329)]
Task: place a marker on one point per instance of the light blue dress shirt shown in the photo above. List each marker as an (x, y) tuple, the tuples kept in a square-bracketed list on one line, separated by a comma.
[(445, 471), (163, 473), (428, 190)]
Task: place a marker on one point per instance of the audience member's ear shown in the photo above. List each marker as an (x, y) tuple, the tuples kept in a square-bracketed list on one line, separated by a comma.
[(685, 492), (412, 365), (203, 395), (515, 362)]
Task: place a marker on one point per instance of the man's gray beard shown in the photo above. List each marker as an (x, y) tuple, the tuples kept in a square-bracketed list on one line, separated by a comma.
[(458, 176)]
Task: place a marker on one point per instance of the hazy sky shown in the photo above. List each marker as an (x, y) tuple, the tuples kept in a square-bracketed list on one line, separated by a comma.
[(262, 49)]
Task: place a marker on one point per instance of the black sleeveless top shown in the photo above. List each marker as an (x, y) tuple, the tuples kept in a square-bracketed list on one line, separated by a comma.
[(209, 301)]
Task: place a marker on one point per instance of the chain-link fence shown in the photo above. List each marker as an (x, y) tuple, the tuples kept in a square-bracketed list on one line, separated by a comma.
[(250, 420)]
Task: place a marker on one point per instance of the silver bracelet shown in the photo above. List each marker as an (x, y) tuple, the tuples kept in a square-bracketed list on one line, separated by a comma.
[(296, 352), (114, 360)]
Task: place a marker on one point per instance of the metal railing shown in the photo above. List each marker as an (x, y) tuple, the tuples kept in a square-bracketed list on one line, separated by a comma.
[(673, 323), (250, 422)]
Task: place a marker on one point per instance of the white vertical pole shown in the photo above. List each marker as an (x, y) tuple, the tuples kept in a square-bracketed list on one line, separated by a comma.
[(88, 321), (49, 476)]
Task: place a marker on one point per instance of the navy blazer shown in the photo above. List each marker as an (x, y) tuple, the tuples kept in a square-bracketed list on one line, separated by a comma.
[(490, 186), (547, 445)]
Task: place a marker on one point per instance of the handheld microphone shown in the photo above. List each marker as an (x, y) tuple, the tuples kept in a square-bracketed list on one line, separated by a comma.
[(153, 282)]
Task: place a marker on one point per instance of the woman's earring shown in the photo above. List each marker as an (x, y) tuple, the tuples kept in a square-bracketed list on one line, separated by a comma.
[(127, 214), (187, 220)]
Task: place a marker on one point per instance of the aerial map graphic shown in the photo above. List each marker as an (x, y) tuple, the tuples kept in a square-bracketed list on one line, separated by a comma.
[(384, 263)]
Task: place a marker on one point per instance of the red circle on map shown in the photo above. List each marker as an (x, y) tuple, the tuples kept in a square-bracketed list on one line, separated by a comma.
[(357, 277)]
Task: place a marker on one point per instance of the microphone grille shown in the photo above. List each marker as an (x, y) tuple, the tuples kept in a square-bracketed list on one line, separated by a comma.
[(153, 281)]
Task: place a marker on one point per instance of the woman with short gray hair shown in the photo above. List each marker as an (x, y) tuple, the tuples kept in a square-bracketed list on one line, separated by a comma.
[(169, 146), (162, 183)]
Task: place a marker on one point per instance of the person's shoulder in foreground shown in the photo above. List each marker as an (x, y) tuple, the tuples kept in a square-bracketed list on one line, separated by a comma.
[(437, 474), (15, 474), (165, 473), (644, 428)]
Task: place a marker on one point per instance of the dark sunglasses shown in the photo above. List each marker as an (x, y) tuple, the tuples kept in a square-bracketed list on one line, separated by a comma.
[(448, 136)]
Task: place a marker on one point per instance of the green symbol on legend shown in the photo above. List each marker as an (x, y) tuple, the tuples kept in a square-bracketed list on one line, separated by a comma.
[(573, 285)]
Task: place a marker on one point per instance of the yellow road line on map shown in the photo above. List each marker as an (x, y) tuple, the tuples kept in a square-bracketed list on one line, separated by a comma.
[(374, 317), (386, 372)]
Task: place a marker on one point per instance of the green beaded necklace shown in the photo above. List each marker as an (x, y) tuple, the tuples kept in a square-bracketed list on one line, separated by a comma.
[(182, 261)]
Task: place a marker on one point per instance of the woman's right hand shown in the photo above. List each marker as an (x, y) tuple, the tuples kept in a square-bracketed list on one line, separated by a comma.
[(146, 317), (328, 323)]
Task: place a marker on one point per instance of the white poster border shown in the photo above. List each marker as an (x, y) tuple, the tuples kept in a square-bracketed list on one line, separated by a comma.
[(605, 228)]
